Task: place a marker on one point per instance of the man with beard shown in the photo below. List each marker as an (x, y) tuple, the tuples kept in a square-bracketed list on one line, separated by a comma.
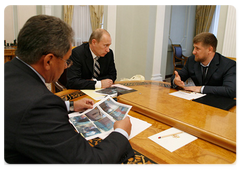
[(211, 72)]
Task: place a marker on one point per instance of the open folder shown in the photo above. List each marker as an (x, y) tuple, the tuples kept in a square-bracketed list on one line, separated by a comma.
[(217, 101)]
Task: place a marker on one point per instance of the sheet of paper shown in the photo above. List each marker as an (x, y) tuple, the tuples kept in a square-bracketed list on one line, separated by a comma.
[(92, 94), (187, 95), (137, 127), (121, 86), (172, 142)]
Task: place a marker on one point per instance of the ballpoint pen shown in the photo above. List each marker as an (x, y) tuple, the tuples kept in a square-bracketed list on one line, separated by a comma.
[(174, 134)]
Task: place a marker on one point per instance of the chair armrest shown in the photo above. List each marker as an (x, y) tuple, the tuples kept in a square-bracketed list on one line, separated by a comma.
[(183, 59)]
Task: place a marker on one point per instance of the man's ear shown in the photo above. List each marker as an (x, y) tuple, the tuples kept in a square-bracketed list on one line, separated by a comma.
[(94, 41), (210, 48), (47, 61)]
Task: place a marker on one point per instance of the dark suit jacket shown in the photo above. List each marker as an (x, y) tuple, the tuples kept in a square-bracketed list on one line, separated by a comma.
[(37, 128), (221, 75), (79, 75)]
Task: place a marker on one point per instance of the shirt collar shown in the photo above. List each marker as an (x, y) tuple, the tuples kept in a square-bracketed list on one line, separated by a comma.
[(206, 65), (32, 69)]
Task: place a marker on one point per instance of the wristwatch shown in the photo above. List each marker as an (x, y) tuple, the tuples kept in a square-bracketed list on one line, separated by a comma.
[(71, 108)]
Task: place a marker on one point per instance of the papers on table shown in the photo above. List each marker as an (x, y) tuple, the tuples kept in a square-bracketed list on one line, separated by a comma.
[(93, 95), (187, 95), (137, 127), (113, 91), (99, 120), (172, 139)]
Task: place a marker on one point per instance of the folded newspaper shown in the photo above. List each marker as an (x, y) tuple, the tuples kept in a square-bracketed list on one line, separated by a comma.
[(98, 122)]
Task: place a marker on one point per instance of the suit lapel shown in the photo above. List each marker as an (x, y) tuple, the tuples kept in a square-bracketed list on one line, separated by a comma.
[(198, 72), (88, 58), (212, 67)]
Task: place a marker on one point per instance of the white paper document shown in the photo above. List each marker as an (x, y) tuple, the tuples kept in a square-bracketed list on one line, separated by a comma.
[(187, 95), (172, 139), (138, 126), (93, 95)]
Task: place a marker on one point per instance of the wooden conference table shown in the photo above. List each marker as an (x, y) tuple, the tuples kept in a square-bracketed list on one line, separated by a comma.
[(215, 128)]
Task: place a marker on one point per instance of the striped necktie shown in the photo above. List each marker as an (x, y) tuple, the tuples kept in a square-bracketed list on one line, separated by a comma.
[(96, 68)]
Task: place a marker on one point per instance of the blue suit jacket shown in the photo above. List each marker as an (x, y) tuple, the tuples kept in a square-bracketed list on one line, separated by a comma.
[(221, 76)]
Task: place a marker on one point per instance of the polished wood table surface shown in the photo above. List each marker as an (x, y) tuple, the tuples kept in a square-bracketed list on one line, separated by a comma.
[(200, 151), (209, 123)]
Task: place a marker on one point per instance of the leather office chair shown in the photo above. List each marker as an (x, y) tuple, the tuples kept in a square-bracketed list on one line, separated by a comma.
[(60, 85), (179, 60)]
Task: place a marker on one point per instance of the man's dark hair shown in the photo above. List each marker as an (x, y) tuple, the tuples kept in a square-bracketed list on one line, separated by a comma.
[(41, 35), (207, 39)]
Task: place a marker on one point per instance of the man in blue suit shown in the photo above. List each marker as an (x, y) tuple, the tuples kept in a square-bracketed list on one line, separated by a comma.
[(211, 72)]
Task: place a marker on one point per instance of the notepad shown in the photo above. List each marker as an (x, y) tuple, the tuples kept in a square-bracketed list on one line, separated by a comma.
[(187, 95), (173, 140)]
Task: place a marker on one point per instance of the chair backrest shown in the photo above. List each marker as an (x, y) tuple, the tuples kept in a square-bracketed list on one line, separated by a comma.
[(177, 51), (63, 78)]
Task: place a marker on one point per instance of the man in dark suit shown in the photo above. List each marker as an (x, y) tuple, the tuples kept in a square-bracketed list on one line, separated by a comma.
[(82, 75), (211, 72), (37, 128)]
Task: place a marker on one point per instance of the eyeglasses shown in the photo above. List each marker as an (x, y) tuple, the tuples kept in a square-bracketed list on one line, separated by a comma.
[(69, 62)]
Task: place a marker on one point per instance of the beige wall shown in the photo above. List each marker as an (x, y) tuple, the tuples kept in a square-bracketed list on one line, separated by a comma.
[(16, 16), (131, 40), (14, 19), (24, 12), (8, 24)]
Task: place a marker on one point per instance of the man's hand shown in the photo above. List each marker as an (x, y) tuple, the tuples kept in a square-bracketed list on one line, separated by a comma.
[(177, 80), (193, 88), (106, 83), (83, 104), (124, 124)]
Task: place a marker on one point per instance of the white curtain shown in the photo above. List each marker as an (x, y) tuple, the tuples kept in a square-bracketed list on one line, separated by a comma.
[(214, 25), (81, 24)]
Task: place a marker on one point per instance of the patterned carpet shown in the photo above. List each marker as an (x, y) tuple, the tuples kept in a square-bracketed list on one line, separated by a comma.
[(137, 159)]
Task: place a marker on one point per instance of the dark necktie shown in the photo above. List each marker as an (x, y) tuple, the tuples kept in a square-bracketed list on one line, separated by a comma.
[(96, 68), (204, 74)]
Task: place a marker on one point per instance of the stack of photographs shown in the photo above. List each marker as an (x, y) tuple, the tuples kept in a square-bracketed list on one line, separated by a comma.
[(115, 90), (98, 122)]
